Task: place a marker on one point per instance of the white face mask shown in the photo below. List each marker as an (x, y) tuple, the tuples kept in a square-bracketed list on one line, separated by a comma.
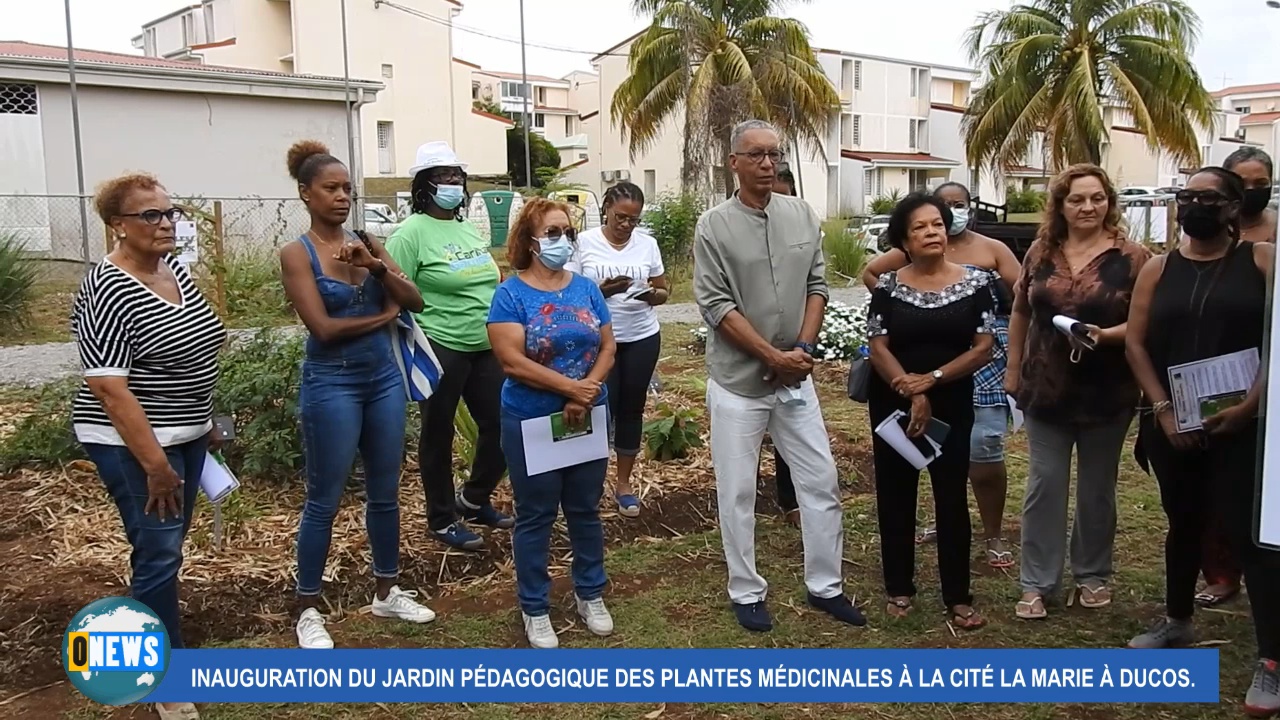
[(959, 221)]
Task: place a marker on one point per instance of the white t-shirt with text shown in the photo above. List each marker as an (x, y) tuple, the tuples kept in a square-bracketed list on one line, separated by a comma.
[(640, 260)]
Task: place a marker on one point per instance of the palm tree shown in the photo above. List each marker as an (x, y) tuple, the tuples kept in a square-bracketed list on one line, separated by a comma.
[(720, 62), (1051, 66)]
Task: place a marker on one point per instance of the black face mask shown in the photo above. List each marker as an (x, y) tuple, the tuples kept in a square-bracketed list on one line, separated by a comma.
[(1202, 222), (1255, 201)]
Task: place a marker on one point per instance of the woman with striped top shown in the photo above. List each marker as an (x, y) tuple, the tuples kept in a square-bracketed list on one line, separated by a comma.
[(149, 348)]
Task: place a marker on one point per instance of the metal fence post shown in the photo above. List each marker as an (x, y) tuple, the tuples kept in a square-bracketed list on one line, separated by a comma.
[(219, 262)]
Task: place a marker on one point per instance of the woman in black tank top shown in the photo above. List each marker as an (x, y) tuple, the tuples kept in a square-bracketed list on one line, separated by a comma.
[(1205, 299)]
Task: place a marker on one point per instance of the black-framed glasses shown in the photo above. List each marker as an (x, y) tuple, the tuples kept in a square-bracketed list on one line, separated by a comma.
[(758, 156), (447, 175), (1202, 197), (624, 219), (555, 233), (152, 217)]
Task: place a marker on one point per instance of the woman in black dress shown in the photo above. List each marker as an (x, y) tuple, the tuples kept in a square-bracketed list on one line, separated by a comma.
[(930, 327), (1205, 299)]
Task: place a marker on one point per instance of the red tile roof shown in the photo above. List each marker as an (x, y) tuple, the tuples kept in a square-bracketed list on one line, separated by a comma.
[(54, 52), (491, 116), (1265, 118), (468, 64), (1243, 89), (886, 157), (1026, 170)]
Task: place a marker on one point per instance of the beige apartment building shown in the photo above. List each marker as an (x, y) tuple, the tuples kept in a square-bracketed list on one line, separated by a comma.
[(553, 105), (1259, 110), (426, 95)]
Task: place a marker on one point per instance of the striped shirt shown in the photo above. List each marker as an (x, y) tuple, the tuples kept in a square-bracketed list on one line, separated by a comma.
[(168, 351)]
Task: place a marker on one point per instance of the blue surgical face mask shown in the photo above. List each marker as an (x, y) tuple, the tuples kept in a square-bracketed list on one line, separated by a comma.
[(555, 253), (959, 221), (448, 197)]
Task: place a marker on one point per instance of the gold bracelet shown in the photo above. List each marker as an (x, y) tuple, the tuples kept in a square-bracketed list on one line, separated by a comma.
[(1157, 408)]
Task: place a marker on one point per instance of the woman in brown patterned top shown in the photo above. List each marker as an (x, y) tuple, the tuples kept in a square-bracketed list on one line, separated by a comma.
[(1077, 394)]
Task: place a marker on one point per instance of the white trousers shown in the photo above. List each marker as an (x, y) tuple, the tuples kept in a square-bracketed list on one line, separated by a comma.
[(738, 425)]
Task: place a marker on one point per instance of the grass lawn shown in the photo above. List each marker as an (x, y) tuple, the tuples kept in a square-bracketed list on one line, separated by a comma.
[(60, 547), (1032, 217)]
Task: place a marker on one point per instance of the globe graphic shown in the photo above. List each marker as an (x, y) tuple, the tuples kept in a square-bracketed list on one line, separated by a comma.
[(116, 614)]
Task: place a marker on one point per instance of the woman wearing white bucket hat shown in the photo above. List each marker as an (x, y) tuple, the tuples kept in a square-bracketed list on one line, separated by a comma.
[(450, 263)]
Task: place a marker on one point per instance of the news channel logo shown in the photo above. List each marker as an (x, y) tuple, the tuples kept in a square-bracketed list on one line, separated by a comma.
[(115, 651)]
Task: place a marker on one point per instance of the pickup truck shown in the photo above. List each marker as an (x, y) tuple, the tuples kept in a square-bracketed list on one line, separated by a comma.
[(992, 221)]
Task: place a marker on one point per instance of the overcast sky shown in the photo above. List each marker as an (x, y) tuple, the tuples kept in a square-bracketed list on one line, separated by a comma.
[(1238, 37)]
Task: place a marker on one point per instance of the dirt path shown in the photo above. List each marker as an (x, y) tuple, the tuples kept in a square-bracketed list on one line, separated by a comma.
[(33, 365)]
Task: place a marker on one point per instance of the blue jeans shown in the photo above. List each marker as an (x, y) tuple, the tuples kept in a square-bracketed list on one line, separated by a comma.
[(538, 499), (349, 405), (157, 544)]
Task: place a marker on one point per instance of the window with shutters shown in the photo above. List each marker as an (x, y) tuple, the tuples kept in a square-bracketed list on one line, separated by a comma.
[(189, 30), (857, 74), (857, 130), (539, 120), (915, 81), (386, 148), (913, 134), (18, 99), (209, 34), (388, 71), (568, 125)]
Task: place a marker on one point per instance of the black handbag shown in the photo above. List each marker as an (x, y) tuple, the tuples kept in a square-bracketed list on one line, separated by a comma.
[(859, 379)]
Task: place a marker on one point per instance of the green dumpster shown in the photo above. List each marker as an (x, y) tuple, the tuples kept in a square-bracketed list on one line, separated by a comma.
[(492, 212)]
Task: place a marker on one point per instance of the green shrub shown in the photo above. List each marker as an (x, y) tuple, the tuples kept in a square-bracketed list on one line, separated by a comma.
[(18, 276), (44, 437), (672, 219), (1025, 201), (258, 386), (255, 293), (846, 252), (672, 433), (884, 204)]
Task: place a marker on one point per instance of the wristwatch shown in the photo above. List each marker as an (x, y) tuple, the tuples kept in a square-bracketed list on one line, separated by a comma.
[(937, 375), (380, 270), (807, 347)]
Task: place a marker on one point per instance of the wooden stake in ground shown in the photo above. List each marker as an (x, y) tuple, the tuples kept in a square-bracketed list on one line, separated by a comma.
[(219, 266)]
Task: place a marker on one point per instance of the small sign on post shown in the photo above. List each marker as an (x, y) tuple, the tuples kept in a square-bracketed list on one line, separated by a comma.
[(187, 242)]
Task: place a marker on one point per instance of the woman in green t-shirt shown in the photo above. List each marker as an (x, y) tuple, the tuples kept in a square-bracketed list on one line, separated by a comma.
[(450, 263)]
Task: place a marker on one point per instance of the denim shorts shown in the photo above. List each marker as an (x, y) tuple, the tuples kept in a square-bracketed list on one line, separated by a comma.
[(990, 425)]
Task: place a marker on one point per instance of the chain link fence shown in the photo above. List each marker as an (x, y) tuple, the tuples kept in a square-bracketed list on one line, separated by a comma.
[(49, 225)]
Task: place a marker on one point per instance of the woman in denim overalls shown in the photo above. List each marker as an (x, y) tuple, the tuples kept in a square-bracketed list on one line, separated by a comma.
[(347, 291)]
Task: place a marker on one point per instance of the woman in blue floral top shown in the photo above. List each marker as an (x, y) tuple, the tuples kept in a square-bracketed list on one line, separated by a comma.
[(552, 333)]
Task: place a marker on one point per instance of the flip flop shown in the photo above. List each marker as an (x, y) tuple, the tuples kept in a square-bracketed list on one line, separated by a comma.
[(902, 605), (1026, 609), (1208, 599), (967, 621), (929, 535), (999, 559)]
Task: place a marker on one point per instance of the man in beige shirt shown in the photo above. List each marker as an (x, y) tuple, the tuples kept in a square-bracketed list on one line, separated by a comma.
[(760, 283)]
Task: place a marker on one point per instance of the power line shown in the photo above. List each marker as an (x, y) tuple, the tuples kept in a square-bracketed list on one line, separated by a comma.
[(491, 36)]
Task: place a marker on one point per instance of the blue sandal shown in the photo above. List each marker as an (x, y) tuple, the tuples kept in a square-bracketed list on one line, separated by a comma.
[(628, 505)]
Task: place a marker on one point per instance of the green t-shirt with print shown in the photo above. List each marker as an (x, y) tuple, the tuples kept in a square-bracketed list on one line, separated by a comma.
[(451, 265)]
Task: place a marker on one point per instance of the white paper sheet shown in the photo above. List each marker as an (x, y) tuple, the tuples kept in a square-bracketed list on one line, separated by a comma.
[(893, 434), (216, 479), (542, 453), (187, 240), (1015, 414), (1192, 382)]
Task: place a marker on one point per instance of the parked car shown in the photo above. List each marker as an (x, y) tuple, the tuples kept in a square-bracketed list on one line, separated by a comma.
[(379, 222), (874, 229)]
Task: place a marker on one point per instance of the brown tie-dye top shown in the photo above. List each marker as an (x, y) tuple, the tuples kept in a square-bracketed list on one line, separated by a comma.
[(1100, 388)]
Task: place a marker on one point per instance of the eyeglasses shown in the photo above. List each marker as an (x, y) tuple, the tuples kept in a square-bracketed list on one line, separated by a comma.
[(624, 219), (555, 233), (444, 175), (1203, 197), (758, 156), (152, 217)]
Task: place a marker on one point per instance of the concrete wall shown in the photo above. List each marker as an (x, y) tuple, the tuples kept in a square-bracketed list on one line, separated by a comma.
[(1129, 161), (481, 141), (664, 158)]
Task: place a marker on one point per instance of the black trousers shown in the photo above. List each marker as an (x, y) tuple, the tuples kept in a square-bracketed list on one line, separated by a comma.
[(1194, 485), (629, 388), (897, 483), (475, 378)]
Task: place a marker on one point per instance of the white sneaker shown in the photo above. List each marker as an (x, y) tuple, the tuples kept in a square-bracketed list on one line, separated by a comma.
[(596, 616), (540, 633), (400, 604), (311, 632)]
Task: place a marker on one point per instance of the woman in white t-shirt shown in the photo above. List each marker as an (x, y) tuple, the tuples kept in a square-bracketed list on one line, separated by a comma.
[(627, 265)]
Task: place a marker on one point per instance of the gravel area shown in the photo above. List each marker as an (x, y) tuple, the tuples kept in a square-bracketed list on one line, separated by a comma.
[(33, 365)]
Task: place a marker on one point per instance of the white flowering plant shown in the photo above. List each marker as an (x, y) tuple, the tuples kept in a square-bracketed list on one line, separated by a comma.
[(843, 335)]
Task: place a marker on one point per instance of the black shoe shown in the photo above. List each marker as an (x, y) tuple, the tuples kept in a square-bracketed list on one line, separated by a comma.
[(460, 537), (753, 616), (840, 608)]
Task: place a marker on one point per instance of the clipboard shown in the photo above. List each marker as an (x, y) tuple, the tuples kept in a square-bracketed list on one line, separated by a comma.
[(1266, 504)]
